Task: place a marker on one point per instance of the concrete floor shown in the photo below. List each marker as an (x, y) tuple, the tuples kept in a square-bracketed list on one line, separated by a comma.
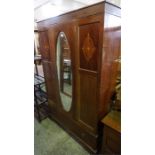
[(50, 139)]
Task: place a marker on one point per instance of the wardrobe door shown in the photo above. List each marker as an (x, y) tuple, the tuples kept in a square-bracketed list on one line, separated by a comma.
[(89, 50), (61, 40)]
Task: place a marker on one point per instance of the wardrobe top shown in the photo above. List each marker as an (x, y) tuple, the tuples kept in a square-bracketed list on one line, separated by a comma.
[(98, 7)]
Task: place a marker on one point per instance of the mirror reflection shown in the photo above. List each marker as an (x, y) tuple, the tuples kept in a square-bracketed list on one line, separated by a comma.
[(64, 71)]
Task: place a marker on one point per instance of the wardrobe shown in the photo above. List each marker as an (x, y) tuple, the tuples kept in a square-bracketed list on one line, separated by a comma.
[(79, 51)]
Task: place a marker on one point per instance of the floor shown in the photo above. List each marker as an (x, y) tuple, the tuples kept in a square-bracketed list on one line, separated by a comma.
[(50, 139)]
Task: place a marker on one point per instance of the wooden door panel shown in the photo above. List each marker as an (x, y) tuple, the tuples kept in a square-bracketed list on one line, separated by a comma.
[(44, 45), (89, 51), (87, 111), (50, 78)]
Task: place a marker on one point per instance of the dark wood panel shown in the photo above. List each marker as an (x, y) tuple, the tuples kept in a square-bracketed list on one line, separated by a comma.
[(89, 45), (87, 110), (50, 79), (110, 53), (44, 45), (89, 72), (111, 141), (53, 33)]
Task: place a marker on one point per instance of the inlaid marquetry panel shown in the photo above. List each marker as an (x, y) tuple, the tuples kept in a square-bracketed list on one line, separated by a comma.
[(44, 45), (89, 45)]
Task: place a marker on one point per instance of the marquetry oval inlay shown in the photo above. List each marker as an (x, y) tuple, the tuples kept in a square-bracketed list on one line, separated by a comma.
[(88, 47)]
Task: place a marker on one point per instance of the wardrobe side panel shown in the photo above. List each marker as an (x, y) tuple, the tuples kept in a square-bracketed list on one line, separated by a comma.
[(110, 53)]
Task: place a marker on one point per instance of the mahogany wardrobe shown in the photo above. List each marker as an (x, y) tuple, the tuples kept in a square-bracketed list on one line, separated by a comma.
[(79, 54)]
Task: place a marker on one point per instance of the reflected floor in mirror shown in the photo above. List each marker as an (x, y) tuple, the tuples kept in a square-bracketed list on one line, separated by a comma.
[(66, 101), (68, 88), (50, 139)]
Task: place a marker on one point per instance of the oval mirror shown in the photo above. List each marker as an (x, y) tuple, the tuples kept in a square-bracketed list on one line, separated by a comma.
[(63, 60)]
